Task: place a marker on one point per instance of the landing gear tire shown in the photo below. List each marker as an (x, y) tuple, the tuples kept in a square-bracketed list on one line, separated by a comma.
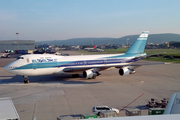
[(26, 81)]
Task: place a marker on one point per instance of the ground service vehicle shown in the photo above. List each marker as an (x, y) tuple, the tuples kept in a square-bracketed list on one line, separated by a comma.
[(98, 109)]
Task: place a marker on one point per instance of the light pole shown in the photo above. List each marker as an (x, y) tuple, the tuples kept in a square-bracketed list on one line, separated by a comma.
[(17, 35), (17, 40), (127, 42)]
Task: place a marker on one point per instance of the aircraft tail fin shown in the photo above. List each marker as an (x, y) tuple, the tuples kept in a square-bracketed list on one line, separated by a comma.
[(139, 45)]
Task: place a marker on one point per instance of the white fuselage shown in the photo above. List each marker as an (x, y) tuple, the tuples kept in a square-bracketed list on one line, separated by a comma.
[(48, 64)]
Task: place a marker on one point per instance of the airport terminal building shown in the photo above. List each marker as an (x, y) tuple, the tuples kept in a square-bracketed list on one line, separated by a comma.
[(17, 45)]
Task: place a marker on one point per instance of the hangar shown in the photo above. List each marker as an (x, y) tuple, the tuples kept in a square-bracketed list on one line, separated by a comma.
[(17, 45)]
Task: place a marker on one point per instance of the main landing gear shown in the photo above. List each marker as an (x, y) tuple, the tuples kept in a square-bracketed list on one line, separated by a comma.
[(26, 81)]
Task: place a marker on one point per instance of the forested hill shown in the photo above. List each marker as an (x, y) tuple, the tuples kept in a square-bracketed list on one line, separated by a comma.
[(153, 38)]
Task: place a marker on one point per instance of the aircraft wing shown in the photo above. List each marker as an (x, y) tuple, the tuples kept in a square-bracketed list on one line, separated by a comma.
[(152, 55), (140, 64), (101, 68), (173, 106), (80, 69)]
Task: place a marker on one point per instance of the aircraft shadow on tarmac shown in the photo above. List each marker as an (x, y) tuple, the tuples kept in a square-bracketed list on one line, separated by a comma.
[(64, 79)]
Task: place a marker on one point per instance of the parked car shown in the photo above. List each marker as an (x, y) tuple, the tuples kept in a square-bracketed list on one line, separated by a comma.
[(98, 109), (5, 56)]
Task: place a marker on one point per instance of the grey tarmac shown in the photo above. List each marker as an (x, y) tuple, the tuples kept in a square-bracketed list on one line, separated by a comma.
[(47, 97)]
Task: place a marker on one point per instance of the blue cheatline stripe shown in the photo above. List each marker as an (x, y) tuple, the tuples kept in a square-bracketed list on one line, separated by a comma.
[(46, 65), (75, 63)]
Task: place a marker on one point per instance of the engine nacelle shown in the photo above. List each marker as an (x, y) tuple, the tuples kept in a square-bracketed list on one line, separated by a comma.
[(89, 74), (126, 71)]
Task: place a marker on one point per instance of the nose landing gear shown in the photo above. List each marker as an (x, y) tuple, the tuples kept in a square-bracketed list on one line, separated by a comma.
[(26, 81)]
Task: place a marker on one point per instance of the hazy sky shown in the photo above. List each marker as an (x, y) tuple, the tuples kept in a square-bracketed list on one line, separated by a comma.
[(64, 19)]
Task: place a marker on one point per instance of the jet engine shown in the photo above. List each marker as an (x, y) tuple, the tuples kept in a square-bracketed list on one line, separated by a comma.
[(126, 71), (89, 74)]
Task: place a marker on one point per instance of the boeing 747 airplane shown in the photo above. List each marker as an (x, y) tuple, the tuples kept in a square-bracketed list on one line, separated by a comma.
[(88, 65)]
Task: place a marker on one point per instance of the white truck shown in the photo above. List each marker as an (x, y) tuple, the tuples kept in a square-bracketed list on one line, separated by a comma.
[(98, 109)]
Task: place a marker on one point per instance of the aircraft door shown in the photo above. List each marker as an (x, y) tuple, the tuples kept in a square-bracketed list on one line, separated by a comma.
[(34, 65), (85, 62), (105, 61), (58, 64)]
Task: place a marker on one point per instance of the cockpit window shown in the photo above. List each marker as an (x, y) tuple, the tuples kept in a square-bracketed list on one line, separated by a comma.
[(20, 58)]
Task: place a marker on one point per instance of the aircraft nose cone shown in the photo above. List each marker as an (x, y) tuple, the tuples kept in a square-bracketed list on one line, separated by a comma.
[(6, 68)]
